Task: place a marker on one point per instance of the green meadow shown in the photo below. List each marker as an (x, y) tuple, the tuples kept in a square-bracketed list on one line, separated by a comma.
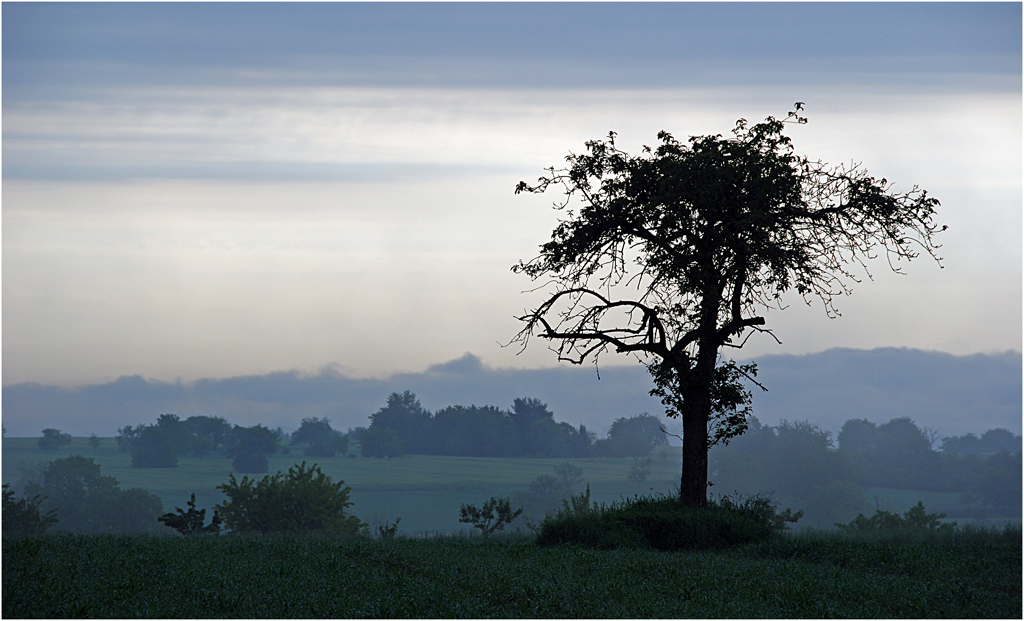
[(425, 491)]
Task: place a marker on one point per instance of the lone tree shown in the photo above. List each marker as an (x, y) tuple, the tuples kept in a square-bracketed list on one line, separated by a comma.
[(676, 253)]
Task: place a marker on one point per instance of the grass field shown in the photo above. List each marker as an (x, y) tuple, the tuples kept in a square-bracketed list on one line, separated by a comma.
[(425, 491), (61, 576)]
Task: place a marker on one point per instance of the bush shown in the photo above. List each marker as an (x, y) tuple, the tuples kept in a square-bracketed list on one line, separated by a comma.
[(22, 517), (495, 515), (300, 501), (916, 519), (191, 522), (663, 523)]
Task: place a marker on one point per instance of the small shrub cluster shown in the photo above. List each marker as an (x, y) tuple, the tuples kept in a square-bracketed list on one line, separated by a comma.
[(190, 522), (493, 516), (23, 516), (663, 523), (916, 519)]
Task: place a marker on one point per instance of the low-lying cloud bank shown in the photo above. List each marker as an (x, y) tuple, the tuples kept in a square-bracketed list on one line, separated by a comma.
[(954, 394)]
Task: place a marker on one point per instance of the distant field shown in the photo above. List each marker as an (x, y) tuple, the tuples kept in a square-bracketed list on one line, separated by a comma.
[(425, 491), (460, 577)]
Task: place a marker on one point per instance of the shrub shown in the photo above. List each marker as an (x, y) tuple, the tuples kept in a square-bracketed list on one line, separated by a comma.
[(191, 522), (663, 523), (388, 530), (495, 515), (916, 519), (22, 517), (303, 500)]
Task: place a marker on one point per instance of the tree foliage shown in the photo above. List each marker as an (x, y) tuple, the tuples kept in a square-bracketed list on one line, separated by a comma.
[(635, 436), (212, 428), (528, 429), (320, 438), (303, 500), (53, 439), (250, 448), (894, 454), (409, 423), (86, 501), (795, 462), (676, 253)]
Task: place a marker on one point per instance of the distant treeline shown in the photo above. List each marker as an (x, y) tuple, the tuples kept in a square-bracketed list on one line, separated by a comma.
[(527, 430), (798, 462), (401, 427), (801, 465)]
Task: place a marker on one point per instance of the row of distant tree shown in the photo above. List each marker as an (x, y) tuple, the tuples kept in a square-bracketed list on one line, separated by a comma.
[(529, 429), (401, 427), (802, 465), (160, 445)]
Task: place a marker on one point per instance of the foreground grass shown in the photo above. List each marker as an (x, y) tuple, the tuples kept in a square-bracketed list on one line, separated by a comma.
[(460, 577)]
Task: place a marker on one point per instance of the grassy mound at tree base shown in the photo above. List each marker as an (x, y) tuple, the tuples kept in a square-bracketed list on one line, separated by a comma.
[(663, 523)]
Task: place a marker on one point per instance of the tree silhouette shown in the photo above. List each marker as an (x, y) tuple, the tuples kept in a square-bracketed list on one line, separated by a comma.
[(676, 253)]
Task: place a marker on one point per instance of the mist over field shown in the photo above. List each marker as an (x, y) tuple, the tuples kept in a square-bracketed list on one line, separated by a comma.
[(953, 394)]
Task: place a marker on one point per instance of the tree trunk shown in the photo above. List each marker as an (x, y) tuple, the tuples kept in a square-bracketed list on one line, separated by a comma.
[(693, 486)]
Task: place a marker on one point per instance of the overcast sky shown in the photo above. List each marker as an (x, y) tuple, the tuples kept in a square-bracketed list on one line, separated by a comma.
[(198, 190)]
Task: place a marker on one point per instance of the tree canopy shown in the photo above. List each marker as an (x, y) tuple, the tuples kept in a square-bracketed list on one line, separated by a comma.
[(678, 252)]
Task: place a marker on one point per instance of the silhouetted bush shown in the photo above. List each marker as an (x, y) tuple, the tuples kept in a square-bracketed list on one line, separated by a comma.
[(916, 519), (303, 500), (663, 523), (190, 522), (493, 516), (23, 517)]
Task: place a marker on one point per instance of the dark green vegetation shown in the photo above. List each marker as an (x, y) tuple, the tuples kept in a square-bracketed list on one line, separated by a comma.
[(664, 523), (460, 577), (401, 427), (303, 500), (404, 427), (162, 444), (23, 516), (191, 522), (802, 466), (495, 515), (73, 491), (53, 439), (889, 467)]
